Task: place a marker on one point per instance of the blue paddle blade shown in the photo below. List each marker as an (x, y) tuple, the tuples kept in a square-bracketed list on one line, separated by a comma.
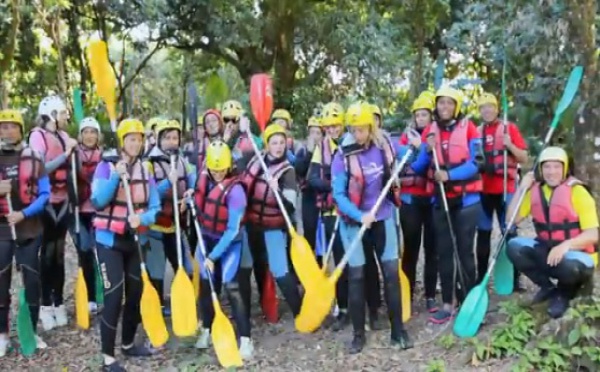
[(471, 313), (569, 93), (503, 274), (438, 76), (321, 244)]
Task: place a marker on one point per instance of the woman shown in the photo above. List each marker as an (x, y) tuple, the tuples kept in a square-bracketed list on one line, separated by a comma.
[(89, 155), (416, 209), (454, 143), (117, 250), (266, 227), (150, 137), (24, 179), (361, 168), (210, 129), (50, 140), (221, 204)]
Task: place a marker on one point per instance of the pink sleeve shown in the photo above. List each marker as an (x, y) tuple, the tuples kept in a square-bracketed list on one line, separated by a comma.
[(36, 142)]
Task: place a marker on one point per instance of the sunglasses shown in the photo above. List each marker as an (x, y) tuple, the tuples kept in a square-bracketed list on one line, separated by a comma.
[(231, 120)]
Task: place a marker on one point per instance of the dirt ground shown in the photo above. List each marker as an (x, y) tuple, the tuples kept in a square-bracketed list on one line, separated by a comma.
[(277, 347)]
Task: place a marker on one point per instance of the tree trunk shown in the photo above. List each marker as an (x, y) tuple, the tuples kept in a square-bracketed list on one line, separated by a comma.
[(8, 52)]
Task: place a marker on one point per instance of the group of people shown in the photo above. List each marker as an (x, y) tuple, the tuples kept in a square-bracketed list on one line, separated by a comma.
[(457, 176)]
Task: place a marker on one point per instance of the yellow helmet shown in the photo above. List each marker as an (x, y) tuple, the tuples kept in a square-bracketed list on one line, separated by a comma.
[(152, 123), (282, 114), (166, 125), (332, 114), (360, 114), (218, 156), (12, 116), (271, 130), (487, 99), (376, 110), (455, 94), (314, 122), (424, 102), (129, 126), (427, 94), (232, 109), (554, 153)]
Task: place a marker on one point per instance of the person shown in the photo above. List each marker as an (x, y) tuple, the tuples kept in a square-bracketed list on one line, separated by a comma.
[(496, 137), (320, 180), (23, 179), (49, 139), (236, 137), (88, 156), (210, 129), (117, 250), (221, 202), (150, 137), (378, 116), (361, 167), (162, 237), (284, 118), (266, 226), (566, 226), (416, 209), (453, 142)]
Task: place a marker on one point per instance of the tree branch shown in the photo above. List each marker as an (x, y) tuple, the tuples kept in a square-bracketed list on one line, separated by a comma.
[(142, 64)]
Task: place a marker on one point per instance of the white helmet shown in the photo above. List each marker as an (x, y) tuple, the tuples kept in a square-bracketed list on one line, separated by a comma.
[(51, 104), (89, 122)]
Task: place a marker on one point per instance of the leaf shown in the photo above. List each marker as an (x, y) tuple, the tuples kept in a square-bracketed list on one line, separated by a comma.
[(576, 351), (574, 336)]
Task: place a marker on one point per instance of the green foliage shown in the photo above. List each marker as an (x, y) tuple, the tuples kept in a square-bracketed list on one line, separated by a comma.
[(436, 365)]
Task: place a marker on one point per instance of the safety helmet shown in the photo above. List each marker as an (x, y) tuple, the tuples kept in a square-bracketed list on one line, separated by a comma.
[(271, 130), (282, 114), (360, 114), (376, 111), (232, 109), (89, 122), (12, 116), (152, 123), (554, 153), (314, 122), (332, 114), (212, 112), (455, 94), (218, 156), (487, 99), (423, 102), (129, 126), (51, 104)]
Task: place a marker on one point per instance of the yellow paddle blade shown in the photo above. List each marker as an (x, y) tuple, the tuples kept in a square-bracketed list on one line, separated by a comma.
[(304, 261), (224, 339), (82, 310), (405, 294), (316, 304), (152, 317), (183, 305), (103, 75)]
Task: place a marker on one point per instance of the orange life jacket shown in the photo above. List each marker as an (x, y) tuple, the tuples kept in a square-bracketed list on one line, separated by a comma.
[(455, 154), (325, 200), (114, 216), (494, 154), (556, 220), (263, 209), (212, 204), (88, 160), (24, 180), (162, 168), (55, 147)]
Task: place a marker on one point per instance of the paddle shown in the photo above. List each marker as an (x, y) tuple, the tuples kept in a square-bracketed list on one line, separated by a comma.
[(222, 333), (303, 258), (475, 306), (318, 298), (195, 265), (192, 108), (504, 269), (78, 112), (404, 283), (336, 226), (321, 240), (104, 78), (150, 307), (183, 299), (25, 332), (82, 310)]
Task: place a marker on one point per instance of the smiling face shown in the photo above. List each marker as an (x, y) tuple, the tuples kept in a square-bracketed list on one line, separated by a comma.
[(212, 125), (218, 176), (488, 112), (169, 140), (133, 143), (553, 172), (445, 107), (10, 133)]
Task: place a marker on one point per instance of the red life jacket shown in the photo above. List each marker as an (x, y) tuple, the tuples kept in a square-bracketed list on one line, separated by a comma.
[(556, 220), (88, 161), (24, 176), (114, 216), (494, 152), (455, 154), (212, 203), (243, 144), (55, 147), (325, 200), (408, 178), (162, 168), (263, 209)]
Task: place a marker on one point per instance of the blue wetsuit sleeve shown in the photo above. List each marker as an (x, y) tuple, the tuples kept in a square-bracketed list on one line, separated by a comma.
[(232, 231), (103, 188), (468, 169), (340, 196), (149, 216), (422, 160), (163, 187), (52, 165), (291, 157), (40, 202)]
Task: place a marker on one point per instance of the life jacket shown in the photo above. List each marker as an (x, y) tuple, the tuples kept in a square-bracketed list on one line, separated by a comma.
[(24, 176), (212, 203), (263, 209), (88, 160), (494, 153), (455, 154), (408, 178), (325, 200), (356, 178), (162, 168), (114, 216), (243, 144), (55, 147), (556, 220)]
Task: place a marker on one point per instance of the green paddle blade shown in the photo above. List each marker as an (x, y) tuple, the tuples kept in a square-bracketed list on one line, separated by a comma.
[(77, 106), (99, 287), (503, 273), (25, 331), (570, 91), (471, 313), (438, 77)]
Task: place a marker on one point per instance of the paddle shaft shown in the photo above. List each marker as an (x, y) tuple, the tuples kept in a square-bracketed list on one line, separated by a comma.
[(202, 248), (13, 229), (173, 159), (76, 202), (331, 240)]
